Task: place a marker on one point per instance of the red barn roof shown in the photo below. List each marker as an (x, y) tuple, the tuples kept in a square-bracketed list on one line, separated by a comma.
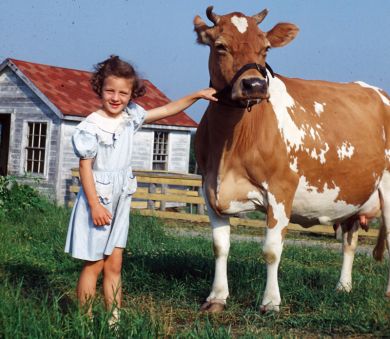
[(69, 90)]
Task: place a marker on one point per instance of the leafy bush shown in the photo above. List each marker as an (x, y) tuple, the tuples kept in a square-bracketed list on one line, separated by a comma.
[(16, 198)]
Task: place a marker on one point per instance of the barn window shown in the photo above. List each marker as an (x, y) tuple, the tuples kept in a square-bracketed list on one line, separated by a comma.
[(160, 151), (36, 147)]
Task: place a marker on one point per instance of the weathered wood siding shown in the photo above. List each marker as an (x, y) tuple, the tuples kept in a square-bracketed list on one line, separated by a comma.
[(143, 150), (25, 106), (68, 160), (178, 151)]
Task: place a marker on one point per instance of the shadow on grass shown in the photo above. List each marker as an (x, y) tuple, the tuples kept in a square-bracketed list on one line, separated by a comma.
[(35, 281)]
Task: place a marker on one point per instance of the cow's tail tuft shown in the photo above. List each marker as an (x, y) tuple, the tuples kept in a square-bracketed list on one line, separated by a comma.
[(381, 243)]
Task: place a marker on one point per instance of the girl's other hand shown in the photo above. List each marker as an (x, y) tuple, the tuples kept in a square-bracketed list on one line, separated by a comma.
[(208, 94), (100, 215)]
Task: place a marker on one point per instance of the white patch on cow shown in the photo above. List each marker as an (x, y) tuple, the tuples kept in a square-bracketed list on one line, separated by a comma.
[(372, 204), (312, 133), (376, 89), (387, 154), (218, 188), (240, 22), (278, 211), (319, 108), (218, 183), (321, 155), (282, 101), (345, 151), (236, 206), (324, 220), (324, 206), (294, 164)]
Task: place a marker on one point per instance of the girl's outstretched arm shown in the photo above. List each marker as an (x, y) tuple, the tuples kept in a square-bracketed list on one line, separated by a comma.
[(100, 215), (177, 106)]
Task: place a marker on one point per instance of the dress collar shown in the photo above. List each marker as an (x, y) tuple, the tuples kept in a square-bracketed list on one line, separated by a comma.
[(106, 124)]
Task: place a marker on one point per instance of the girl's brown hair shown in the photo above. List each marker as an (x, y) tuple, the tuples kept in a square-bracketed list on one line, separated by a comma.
[(119, 68)]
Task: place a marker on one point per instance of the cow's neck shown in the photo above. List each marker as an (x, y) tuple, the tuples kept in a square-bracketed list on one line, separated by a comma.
[(236, 129), (230, 144)]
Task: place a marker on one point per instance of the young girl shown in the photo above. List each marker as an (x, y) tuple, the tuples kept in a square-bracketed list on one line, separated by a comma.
[(99, 222)]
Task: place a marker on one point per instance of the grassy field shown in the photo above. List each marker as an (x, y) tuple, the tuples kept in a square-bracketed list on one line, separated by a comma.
[(166, 278)]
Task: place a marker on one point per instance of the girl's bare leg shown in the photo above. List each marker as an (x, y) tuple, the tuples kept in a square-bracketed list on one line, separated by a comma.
[(86, 286), (112, 285)]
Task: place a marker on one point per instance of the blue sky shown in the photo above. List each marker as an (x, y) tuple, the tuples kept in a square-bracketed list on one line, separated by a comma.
[(339, 40)]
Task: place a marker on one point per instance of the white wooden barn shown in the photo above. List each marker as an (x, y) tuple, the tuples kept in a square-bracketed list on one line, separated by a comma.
[(40, 105)]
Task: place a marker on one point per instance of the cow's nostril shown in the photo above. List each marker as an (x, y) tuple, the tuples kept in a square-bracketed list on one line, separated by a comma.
[(251, 84), (247, 83)]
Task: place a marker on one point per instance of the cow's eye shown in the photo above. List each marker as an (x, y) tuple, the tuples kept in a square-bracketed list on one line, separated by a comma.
[(221, 48)]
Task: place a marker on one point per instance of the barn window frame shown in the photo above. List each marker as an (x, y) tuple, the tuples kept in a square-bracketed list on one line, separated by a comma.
[(160, 154), (36, 150)]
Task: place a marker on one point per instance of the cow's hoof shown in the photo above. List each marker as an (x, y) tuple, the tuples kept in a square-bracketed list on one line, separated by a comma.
[(344, 287), (214, 307), (269, 308)]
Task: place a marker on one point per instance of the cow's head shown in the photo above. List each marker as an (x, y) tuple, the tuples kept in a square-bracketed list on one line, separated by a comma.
[(236, 41)]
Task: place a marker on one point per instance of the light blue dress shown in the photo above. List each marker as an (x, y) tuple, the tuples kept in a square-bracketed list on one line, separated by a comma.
[(111, 149)]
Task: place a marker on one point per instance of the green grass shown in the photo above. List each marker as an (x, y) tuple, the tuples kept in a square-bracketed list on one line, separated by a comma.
[(166, 278)]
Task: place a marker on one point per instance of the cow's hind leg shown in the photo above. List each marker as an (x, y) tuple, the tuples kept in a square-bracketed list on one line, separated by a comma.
[(216, 301), (350, 240), (384, 234)]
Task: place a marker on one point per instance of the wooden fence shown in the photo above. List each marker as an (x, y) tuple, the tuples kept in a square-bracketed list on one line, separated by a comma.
[(179, 196)]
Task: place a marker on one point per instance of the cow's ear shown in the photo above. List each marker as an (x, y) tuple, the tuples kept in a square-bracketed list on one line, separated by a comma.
[(200, 28), (282, 34)]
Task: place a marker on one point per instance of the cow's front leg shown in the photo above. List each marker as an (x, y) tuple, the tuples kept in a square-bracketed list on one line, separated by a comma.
[(278, 212), (216, 301), (350, 240)]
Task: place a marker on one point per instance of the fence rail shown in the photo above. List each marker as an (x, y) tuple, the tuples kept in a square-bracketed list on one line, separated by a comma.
[(179, 196)]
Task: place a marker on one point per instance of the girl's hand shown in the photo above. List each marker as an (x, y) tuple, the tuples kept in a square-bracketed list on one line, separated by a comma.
[(100, 215), (207, 93)]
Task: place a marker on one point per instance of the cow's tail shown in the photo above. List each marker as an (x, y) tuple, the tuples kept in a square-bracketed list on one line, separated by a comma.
[(381, 243)]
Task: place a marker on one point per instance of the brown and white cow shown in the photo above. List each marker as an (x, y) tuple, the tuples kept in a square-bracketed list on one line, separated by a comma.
[(303, 151)]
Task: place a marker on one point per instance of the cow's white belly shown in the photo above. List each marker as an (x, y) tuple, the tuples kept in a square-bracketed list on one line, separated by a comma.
[(312, 205)]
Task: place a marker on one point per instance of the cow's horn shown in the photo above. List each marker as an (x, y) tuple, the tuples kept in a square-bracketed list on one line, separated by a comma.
[(214, 18), (259, 17)]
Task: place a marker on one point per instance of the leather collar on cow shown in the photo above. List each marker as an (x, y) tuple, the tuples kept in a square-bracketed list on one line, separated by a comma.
[(224, 95)]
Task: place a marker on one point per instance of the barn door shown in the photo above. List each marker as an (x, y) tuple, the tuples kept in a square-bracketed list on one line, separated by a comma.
[(5, 125)]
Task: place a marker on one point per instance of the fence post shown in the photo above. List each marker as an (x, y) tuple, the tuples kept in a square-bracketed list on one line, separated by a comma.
[(75, 182), (200, 206), (152, 189), (164, 188)]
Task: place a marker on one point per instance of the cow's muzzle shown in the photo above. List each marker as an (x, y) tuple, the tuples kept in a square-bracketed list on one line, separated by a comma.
[(249, 90)]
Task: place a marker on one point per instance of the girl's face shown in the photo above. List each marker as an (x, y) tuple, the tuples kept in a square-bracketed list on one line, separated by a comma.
[(116, 94)]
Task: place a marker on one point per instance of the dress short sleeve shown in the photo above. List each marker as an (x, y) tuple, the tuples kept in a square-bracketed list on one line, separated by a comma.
[(84, 141), (138, 115)]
